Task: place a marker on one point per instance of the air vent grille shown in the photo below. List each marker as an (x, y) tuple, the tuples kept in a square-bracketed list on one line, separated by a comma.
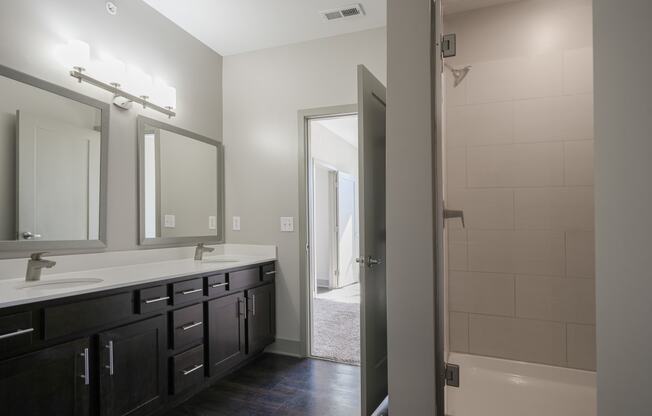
[(354, 10)]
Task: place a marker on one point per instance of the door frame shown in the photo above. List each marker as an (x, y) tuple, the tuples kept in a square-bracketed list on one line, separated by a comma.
[(305, 303)]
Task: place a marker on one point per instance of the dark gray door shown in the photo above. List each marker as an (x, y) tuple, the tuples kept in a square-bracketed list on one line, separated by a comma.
[(373, 319)]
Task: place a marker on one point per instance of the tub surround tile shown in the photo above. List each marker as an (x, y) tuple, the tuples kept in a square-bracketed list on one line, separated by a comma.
[(455, 169), (518, 339), (578, 163), (555, 299), (578, 71), (480, 124), (580, 254), (492, 81), (458, 332), (555, 208), (483, 208), (539, 75), (484, 293), (581, 346), (554, 119)]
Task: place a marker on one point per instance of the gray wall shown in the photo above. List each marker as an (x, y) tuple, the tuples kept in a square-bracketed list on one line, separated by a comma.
[(623, 148), (31, 29), (410, 212)]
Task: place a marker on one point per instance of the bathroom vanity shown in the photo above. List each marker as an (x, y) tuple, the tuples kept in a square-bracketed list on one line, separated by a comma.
[(134, 348)]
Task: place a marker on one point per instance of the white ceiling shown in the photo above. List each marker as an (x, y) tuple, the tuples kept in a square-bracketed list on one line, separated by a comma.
[(345, 127), (235, 26), (456, 6)]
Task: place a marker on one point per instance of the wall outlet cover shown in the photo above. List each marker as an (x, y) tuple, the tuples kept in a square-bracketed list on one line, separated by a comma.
[(212, 222), (287, 224), (236, 223), (169, 221)]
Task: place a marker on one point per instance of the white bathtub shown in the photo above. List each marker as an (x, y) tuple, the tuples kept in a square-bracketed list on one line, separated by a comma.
[(495, 387)]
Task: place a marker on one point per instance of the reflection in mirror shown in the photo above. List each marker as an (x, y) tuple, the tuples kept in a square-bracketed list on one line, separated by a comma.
[(181, 185), (50, 164)]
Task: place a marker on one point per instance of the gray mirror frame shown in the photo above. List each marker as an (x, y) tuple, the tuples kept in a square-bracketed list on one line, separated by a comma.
[(16, 249), (177, 241)]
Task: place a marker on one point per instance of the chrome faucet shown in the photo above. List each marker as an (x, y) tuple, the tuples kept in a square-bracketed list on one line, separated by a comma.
[(35, 265), (200, 250)]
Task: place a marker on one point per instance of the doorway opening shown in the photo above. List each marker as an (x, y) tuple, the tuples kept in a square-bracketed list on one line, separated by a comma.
[(333, 235)]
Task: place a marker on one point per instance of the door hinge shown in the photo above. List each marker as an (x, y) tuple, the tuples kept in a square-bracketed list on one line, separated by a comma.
[(448, 45), (452, 375)]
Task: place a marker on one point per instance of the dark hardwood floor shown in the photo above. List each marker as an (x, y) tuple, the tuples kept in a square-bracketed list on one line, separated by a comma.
[(280, 385)]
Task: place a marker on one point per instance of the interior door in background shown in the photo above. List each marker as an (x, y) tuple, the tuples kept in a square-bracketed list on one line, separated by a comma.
[(58, 180), (373, 319), (347, 230)]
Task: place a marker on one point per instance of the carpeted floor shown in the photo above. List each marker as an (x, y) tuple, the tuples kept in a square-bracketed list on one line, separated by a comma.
[(336, 325)]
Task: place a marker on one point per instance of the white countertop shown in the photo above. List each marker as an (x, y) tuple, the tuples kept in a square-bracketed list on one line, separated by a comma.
[(15, 291)]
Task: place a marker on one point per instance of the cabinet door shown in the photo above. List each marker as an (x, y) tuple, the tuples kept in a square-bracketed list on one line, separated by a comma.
[(54, 381), (261, 318), (226, 332), (132, 368)]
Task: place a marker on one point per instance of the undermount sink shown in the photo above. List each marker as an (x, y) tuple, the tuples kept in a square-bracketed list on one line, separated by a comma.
[(59, 283)]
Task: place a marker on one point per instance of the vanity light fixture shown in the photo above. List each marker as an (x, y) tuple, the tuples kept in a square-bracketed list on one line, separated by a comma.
[(114, 76)]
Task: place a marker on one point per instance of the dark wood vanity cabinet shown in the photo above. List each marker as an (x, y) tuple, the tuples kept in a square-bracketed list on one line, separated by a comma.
[(132, 368), (133, 351), (52, 381)]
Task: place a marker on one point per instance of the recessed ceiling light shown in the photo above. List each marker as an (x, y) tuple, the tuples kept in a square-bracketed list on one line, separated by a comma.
[(111, 8)]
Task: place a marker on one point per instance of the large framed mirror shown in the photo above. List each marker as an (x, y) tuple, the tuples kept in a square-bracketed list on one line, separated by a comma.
[(53, 167), (181, 186)]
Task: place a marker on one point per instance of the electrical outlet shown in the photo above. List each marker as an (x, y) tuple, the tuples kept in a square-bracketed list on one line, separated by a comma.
[(236, 223), (169, 221), (212, 222), (287, 224)]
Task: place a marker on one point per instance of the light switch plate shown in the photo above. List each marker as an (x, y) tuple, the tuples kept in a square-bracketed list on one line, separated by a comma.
[(236, 223), (169, 221), (287, 224), (212, 222)]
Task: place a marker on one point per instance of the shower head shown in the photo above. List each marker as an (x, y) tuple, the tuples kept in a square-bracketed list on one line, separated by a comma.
[(458, 74)]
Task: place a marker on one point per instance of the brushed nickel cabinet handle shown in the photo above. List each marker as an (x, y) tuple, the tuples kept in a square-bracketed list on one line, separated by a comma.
[(219, 285), (270, 273), (86, 376), (16, 333), (189, 291), (190, 326), (192, 370), (161, 299), (109, 346)]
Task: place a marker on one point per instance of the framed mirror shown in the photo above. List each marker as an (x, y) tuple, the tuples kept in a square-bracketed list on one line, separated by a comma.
[(181, 186), (53, 167)]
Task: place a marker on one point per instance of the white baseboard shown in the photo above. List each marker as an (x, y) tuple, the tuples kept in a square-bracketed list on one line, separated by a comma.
[(289, 347)]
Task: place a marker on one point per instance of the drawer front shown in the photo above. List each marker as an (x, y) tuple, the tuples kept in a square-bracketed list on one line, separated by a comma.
[(244, 278), (216, 284), (187, 326), (187, 369), (268, 272), (152, 299), (87, 314), (16, 331), (187, 291)]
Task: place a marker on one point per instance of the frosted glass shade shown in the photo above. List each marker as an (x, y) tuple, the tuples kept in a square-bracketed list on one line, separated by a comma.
[(138, 82), (74, 54), (109, 70), (165, 96)]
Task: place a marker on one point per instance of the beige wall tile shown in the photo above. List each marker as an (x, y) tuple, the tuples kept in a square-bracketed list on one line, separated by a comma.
[(580, 254), (555, 208), (578, 162), (489, 293), (518, 339), (491, 81), (539, 75), (454, 96), (555, 299), (483, 208), (578, 71), (539, 164), (554, 119), (480, 124), (524, 252), (581, 346), (458, 332), (457, 249), (456, 168)]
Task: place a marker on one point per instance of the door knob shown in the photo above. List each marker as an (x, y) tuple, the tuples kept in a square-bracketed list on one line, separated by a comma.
[(27, 235), (369, 261)]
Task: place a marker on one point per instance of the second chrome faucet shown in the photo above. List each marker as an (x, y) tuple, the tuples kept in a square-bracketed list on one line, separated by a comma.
[(200, 250)]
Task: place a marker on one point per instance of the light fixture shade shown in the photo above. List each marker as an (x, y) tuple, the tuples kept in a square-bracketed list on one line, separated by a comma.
[(109, 70), (74, 54), (138, 82), (164, 95)]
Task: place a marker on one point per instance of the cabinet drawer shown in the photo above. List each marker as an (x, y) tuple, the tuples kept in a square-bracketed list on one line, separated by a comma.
[(16, 331), (152, 299), (268, 272), (87, 314), (243, 278), (216, 284), (187, 369), (187, 291), (187, 325)]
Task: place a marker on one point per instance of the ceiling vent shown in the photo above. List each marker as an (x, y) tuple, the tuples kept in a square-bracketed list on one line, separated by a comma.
[(346, 12)]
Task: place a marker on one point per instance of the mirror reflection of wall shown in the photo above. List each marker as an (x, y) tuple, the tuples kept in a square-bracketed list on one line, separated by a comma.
[(181, 185), (49, 165)]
